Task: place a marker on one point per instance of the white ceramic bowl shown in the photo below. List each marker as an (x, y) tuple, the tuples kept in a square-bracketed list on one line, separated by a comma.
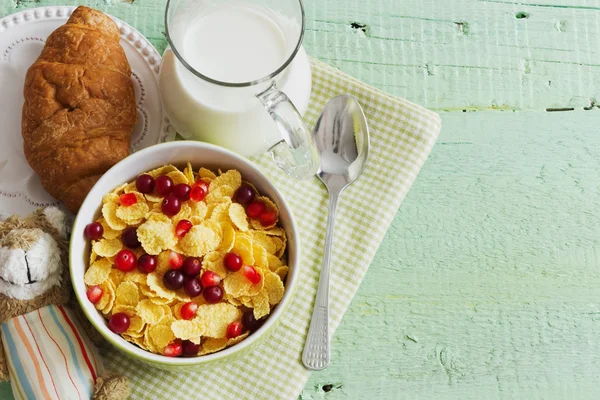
[(178, 153)]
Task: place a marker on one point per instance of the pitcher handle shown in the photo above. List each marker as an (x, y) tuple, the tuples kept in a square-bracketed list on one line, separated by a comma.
[(296, 153)]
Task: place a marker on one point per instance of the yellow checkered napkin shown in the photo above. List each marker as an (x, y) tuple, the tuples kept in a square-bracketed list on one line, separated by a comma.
[(402, 135)]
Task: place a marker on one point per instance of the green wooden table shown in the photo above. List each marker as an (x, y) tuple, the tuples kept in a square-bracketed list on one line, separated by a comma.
[(487, 285)]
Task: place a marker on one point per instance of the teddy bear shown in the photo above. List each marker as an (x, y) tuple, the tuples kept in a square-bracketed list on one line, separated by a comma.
[(46, 350)]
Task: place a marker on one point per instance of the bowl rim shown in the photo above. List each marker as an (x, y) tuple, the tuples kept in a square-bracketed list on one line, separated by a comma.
[(139, 353)]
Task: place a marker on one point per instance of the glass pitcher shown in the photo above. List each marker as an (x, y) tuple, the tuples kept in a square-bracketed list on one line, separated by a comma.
[(221, 77)]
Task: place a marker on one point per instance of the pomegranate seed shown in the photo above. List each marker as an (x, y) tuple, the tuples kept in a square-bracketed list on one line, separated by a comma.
[(171, 205), (130, 239), (182, 191), (145, 184), (173, 349), (147, 263), (164, 185), (213, 294), (188, 310), (125, 260), (190, 348), (210, 278), (94, 294), (127, 199), (234, 330), (199, 191), (119, 322), (192, 286), (173, 279), (93, 231), (182, 228), (244, 195), (175, 260), (268, 218), (191, 266), (232, 261), (255, 209), (251, 274)]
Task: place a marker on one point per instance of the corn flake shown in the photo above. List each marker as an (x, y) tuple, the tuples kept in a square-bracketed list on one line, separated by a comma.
[(228, 237), (213, 261), (274, 287), (219, 194), (122, 308), (135, 213), (98, 272), (261, 305), (282, 272), (149, 312), (178, 177), (109, 212), (186, 329), (156, 284), (231, 178), (156, 236), (127, 294), (160, 335), (215, 318), (237, 214), (201, 239)]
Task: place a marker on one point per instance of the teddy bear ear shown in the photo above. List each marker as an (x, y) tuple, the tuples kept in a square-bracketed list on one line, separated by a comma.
[(57, 219)]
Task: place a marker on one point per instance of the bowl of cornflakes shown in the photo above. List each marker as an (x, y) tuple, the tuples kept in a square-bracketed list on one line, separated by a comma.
[(184, 255)]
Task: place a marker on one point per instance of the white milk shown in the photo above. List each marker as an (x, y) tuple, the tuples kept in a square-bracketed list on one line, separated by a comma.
[(234, 43)]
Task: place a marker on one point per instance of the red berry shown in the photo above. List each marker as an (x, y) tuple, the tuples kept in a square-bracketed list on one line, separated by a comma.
[(249, 322), (192, 286), (255, 209), (190, 348), (130, 239), (232, 261), (94, 294), (173, 349), (268, 218), (127, 199), (188, 310), (199, 191), (251, 274), (164, 185), (175, 260), (244, 195), (234, 330), (182, 228), (213, 294), (182, 191), (125, 260), (119, 322), (147, 263), (171, 205), (210, 278), (144, 184), (191, 266), (173, 279), (93, 231)]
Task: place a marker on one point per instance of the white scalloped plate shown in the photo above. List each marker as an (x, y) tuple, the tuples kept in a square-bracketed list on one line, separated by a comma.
[(22, 37)]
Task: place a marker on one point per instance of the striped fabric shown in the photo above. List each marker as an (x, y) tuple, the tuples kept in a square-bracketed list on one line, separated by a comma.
[(49, 357)]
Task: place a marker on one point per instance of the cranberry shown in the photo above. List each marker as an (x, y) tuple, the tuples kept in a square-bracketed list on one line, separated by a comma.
[(164, 185), (192, 287), (130, 239), (173, 349), (144, 184), (250, 322), (173, 279), (119, 322), (234, 330), (232, 261), (125, 260), (183, 228), (190, 348), (188, 310), (251, 274), (171, 205), (175, 260), (93, 231), (182, 191), (199, 191), (191, 266), (254, 209), (268, 218), (244, 195), (213, 294), (210, 278), (94, 294), (127, 199), (147, 263)]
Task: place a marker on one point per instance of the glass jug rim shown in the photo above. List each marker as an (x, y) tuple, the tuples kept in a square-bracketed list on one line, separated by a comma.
[(236, 84)]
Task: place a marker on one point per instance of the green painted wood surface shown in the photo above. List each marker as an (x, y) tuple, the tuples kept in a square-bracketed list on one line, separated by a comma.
[(487, 284)]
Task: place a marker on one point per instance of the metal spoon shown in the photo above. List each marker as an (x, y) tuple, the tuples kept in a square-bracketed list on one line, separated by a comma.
[(342, 137)]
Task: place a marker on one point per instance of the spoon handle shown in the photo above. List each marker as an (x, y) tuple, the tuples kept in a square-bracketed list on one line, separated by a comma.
[(316, 355)]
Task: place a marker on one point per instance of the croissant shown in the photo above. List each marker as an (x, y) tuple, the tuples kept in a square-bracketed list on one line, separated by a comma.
[(80, 109)]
